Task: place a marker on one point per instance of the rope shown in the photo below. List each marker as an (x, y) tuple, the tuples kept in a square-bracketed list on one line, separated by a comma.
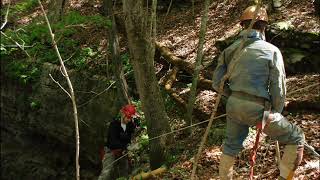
[(256, 144), (156, 137), (223, 115), (254, 153)]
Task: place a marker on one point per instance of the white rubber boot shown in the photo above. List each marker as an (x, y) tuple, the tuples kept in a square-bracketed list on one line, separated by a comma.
[(226, 167), (292, 156)]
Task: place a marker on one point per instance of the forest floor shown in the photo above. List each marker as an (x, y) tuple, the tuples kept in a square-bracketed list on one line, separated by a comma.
[(266, 167), (178, 30)]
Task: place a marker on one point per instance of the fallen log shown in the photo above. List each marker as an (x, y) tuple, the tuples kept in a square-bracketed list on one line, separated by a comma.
[(150, 174), (176, 61), (171, 78), (181, 64)]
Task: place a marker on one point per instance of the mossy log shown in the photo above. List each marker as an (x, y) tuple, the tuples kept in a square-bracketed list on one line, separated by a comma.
[(147, 175)]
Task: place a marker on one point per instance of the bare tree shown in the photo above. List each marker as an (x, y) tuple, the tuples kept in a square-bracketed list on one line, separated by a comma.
[(70, 93), (141, 30), (193, 88)]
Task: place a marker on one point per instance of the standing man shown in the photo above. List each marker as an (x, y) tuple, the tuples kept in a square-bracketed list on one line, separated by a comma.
[(257, 81), (118, 138)]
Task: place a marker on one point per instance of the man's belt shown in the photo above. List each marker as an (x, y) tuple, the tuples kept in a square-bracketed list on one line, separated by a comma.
[(249, 97)]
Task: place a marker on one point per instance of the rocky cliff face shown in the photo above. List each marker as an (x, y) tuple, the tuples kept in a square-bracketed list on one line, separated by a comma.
[(37, 125)]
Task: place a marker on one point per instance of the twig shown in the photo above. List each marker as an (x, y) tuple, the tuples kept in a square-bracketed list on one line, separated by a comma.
[(84, 123), (98, 94), (14, 46), (168, 10), (6, 16), (77, 25), (21, 47), (60, 86), (278, 153), (60, 68), (69, 57), (307, 87), (72, 95)]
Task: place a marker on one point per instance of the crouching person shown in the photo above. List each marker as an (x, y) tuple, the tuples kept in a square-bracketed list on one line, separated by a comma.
[(115, 162)]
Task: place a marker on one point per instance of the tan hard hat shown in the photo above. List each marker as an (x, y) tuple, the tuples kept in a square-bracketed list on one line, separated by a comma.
[(248, 14)]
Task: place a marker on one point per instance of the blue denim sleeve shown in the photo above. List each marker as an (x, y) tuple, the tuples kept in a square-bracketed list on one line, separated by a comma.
[(218, 74), (277, 79)]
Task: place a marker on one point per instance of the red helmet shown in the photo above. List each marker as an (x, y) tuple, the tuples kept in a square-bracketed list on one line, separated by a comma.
[(129, 111)]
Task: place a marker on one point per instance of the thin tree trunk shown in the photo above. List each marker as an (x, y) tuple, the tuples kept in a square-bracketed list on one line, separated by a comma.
[(141, 33), (71, 94), (202, 34), (56, 10), (121, 83)]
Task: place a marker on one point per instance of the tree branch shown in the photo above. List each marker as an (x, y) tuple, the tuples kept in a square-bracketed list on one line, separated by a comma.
[(60, 85), (16, 43), (6, 17)]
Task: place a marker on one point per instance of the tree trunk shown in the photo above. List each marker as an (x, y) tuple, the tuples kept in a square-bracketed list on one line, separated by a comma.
[(141, 33), (121, 83), (56, 10), (202, 33)]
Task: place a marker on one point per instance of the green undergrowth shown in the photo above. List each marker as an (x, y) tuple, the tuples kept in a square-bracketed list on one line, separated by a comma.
[(24, 63)]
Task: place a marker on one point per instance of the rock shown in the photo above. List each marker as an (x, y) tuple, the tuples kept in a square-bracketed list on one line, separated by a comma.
[(294, 55), (39, 143), (316, 4), (283, 25)]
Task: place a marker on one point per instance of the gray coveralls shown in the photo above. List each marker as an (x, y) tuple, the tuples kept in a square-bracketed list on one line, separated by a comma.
[(112, 170), (259, 76)]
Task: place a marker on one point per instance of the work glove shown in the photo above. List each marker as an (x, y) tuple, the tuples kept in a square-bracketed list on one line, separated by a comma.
[(116, 152), (136, 121), (133, 147)]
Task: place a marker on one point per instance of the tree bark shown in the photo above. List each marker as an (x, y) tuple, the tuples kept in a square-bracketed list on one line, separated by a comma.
[(56, 10), (202, 33), (141, 33), (121, 83)]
